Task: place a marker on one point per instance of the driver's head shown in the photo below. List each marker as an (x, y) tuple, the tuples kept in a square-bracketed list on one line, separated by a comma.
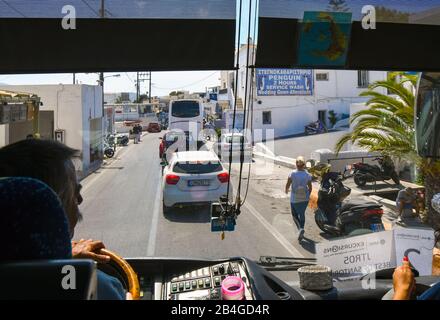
[(48, 161)]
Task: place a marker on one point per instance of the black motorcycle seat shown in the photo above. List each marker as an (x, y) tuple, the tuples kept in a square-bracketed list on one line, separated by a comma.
[(355, 204)]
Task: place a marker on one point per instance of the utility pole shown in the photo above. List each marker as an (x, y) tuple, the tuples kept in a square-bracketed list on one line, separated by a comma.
[(149, 90), (137, 86), (101, 74), (141, 77), (101, 81)]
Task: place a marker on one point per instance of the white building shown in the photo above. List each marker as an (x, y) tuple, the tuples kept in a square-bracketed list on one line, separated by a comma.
[(112, 97), (286, 100), (73, 115)]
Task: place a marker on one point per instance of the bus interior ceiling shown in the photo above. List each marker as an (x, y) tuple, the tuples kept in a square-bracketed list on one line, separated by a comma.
[(40, 45)]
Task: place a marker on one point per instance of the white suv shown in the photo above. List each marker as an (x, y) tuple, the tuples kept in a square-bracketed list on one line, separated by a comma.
[(223, 147), (194, 177)]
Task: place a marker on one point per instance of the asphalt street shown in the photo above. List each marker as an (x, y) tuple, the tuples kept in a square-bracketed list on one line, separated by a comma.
[(123, 208)]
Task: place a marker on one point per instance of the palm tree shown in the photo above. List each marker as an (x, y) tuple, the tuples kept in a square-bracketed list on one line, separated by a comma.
[(387, 126), (337, 6)]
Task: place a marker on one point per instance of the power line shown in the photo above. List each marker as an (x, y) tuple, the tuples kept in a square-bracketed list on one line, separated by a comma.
[(91, 8), (188, 85), (13, 8), (126, 74)]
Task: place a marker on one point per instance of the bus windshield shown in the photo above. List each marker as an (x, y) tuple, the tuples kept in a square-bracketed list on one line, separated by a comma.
[(185, 109), (271, 131)]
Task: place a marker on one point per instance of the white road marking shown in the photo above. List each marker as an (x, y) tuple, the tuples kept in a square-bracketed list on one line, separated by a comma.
[(278, 236), (155, 220)]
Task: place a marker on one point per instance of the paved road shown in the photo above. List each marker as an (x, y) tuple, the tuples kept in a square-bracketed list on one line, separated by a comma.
[(122, 207)]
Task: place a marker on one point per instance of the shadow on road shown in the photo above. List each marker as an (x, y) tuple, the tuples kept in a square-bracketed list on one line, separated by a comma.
[(190, 214)]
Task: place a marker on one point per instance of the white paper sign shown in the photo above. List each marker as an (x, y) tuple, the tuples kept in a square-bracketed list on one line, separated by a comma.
[(364, 254), (417, 244), (358, 255)]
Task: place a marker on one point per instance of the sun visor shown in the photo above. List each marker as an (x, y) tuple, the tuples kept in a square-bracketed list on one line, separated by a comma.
[(124, 35), (344, 34)]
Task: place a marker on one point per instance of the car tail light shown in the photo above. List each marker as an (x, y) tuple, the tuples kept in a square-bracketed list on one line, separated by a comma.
[(172, 179), (372, 212), (223, 177)]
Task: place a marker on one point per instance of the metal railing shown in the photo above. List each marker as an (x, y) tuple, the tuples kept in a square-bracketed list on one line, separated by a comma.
[(362, 158), (351, 158)]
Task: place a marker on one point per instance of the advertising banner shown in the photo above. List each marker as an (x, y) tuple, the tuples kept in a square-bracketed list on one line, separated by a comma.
[(356, 256), (284, 82)]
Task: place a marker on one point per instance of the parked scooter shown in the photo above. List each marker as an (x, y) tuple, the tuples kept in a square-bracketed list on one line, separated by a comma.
[(337, 217), (109, 152), (363, 172), (121, 139), (315, 128)]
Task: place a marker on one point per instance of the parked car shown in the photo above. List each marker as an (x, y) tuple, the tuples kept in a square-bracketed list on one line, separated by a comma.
[(223, 147), (154, 127), (194, 177)]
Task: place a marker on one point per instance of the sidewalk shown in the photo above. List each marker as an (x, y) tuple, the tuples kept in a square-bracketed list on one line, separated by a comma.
[(109, 161)]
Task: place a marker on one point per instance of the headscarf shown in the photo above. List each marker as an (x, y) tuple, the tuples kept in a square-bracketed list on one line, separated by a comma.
[(33, 224)]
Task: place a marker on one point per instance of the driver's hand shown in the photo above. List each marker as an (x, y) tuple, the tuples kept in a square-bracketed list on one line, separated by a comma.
[(403, 281), (87, 249)]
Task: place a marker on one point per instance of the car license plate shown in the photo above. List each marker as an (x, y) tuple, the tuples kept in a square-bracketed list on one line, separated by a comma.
[(197, 183)]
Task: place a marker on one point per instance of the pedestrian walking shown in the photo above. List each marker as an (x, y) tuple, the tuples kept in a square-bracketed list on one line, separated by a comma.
[(135, 134), (139, 132), (301, 182)]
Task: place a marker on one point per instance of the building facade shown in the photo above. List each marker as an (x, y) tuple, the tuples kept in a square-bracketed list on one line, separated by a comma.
[(72, 114), (287, 100)]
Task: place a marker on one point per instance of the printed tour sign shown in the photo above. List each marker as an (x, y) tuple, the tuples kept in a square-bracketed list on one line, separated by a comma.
[(365, 254), (284, 82)]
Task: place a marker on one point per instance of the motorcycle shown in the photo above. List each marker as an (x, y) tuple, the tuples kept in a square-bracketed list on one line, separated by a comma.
[(364, 172), (315, 128), (337, 217), (121, 139), (108, 150)]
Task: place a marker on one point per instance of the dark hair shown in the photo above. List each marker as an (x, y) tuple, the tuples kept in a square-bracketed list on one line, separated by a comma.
[(44, 160)]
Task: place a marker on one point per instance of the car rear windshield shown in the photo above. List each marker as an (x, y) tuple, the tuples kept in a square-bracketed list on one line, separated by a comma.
[(185, 109), (197, 168), (236, 139)]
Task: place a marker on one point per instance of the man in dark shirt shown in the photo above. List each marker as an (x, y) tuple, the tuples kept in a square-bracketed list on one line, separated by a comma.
[(51, 162)]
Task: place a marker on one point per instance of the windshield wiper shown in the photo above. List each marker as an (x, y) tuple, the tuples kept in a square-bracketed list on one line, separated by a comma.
[(272, 263)]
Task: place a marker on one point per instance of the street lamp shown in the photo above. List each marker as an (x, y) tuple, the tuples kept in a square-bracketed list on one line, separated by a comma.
[(101, 83)]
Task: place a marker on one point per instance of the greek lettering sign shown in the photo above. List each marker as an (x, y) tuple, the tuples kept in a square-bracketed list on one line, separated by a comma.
[(364, 254), (284, 82), (358, 255)]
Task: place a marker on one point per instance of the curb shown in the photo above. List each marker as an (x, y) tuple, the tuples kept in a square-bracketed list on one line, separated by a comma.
[(282, 161)]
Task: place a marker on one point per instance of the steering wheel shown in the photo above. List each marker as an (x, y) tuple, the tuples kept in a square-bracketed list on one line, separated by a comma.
[(124, 272)]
